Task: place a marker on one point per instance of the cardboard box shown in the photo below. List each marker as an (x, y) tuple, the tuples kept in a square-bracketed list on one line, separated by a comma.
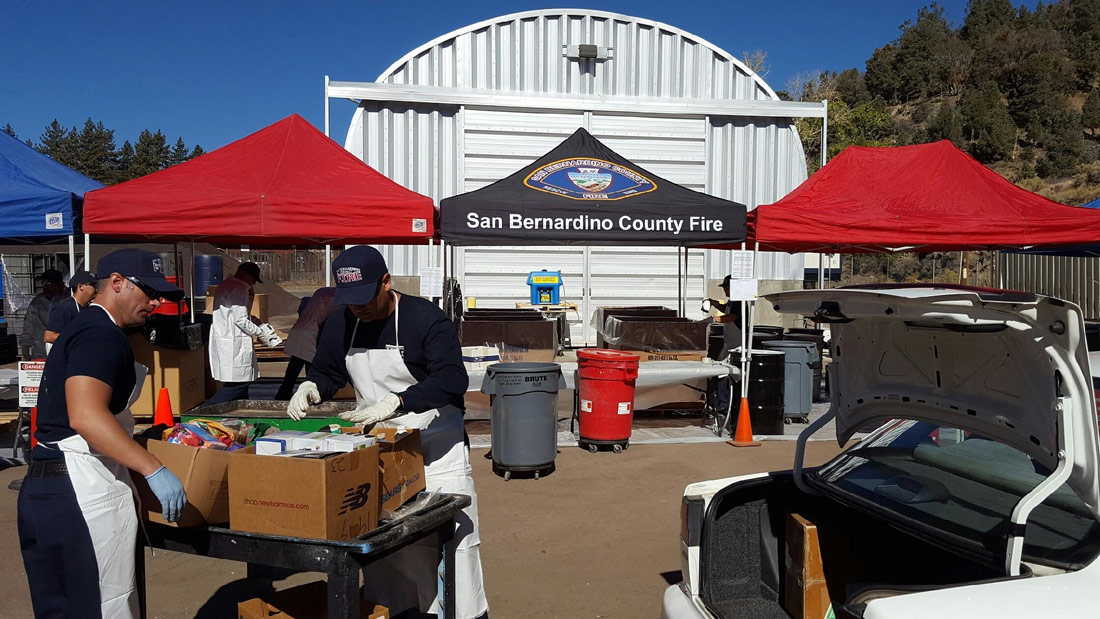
[(205, 477), (308, 601), (510, 354), (807, 596), (669, 355), (182, 372), (332, 498), (477, 358), (401, 461)]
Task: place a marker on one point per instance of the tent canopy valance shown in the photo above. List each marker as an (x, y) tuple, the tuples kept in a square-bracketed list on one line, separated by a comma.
[(285, 185), (923, 198), (40, 199), (584, 193)]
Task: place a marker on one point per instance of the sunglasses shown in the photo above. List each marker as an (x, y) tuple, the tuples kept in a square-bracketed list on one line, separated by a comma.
[(149, 291)]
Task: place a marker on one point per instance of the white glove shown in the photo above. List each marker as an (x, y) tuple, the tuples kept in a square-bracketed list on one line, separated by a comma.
[(379, 411), (306, 394), (268, 337)]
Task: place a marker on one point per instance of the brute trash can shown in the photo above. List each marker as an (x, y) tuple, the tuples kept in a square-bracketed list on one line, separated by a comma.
[(767, 377), (605, 397), (524, 415), (817, 336), (799, 359)]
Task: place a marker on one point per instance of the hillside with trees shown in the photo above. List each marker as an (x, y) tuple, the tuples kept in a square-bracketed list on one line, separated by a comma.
[(91, 151), (1017, 89)]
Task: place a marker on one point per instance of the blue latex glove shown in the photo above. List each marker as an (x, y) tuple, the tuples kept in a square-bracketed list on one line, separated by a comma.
[(169, 491)]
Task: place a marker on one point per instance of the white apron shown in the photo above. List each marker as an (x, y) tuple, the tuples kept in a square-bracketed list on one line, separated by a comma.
[(405, 580), (105, 494)]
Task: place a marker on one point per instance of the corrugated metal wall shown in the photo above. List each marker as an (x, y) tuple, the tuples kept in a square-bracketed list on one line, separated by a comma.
[(442, 151), (1072, 279)]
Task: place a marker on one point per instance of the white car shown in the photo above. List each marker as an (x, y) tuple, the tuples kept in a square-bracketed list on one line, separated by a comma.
[(976, 495)]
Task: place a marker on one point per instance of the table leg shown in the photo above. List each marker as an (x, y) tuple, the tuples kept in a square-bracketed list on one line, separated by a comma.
[(343, 589), (447, 544), (139, 579)]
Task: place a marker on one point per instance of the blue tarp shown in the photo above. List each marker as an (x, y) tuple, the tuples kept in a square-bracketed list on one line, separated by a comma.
[(39, 197)]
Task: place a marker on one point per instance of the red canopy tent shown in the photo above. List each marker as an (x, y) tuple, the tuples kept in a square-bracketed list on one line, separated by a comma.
[(286, 184), (923, 198)]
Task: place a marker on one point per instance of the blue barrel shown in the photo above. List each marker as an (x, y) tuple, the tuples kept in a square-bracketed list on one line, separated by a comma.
[(208, 272)]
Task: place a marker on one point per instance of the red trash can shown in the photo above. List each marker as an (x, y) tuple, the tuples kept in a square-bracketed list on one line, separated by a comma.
[(605, 397)]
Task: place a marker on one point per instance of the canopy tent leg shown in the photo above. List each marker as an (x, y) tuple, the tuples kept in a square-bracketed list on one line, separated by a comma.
[(679, 284), (821, 271), (191, 282), (328, 265), (72, 256), (687, 280), (88, 253)]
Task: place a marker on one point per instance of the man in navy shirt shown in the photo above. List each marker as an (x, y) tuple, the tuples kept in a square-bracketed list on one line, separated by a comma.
[(82, 284), (402, 355), (77, 518)]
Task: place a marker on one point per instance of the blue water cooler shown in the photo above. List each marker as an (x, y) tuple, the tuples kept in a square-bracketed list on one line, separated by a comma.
[(545, 287)]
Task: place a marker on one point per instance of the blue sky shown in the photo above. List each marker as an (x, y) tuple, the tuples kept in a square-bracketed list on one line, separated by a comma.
[(212, 72)]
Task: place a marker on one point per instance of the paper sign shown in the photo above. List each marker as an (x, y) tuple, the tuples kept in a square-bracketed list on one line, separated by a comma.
[(30, 377), (742, 265), (431, 282), (744, 289)]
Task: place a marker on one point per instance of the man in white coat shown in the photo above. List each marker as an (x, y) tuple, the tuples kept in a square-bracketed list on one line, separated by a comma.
[(232, 358)]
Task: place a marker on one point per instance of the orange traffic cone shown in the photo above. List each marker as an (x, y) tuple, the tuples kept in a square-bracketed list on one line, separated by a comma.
[(742, 436), (164, 409)]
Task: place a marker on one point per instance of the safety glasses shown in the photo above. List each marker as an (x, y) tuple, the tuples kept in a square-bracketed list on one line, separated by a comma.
[(148, 290)]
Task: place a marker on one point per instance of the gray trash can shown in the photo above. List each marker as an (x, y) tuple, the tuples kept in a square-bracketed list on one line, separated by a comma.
[(798, 384), (524, 415)]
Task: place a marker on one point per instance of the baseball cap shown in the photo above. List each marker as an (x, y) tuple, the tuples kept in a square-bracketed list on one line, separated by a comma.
[(145, 266), (81, 277), (358, 272), (725, 281), (252, 269), (51, 275)]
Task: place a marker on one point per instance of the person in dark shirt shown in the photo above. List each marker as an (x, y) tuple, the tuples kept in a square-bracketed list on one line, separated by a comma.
[(82, 284), (402, 355), (77, 518)]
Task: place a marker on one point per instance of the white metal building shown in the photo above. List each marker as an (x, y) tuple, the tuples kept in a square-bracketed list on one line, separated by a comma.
[(477, 104)]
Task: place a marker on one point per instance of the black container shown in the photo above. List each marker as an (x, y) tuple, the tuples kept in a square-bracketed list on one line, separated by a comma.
[(767, 376), (817, 336)]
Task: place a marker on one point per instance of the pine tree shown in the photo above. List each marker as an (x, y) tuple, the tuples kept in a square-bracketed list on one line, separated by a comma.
[(96, 153), (124, 162), (8, 130), (947, 124), (987, 128), (195, 152), (178, 154), (150, 154), (59, 144)]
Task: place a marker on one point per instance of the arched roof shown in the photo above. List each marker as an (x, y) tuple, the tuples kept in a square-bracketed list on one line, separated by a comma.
[(440, 66)]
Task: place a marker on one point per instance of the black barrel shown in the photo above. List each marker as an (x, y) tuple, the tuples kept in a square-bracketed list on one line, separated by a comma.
[(767, 375), (817, 336)]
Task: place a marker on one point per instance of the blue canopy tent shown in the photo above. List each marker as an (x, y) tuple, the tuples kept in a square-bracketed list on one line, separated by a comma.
[(40, 200)]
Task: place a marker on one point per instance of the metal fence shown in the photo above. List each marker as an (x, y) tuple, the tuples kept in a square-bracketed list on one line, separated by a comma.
[(287, 265), (1072, 279)]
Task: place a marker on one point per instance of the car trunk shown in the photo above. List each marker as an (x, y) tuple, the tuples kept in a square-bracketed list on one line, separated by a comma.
[(744, 550)]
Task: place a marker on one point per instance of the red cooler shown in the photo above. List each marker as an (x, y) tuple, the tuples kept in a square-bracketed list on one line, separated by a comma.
[(605, 397)]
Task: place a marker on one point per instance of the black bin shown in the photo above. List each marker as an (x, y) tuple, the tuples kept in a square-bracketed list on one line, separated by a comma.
[(767, 377)]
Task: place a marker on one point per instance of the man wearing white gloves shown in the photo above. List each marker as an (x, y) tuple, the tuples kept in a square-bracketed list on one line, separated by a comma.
[(402, 356), (232, 358)]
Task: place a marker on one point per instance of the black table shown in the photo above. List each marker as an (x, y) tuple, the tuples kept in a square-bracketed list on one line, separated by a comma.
[(341, 560)]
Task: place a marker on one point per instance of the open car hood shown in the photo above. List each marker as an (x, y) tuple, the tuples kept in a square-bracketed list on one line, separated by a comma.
[(995, 363)]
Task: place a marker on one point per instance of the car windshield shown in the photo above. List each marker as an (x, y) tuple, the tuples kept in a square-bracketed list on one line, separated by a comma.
[(965, 485)]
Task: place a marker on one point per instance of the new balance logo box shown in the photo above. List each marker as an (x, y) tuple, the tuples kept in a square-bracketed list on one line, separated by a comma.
[(319, 498)]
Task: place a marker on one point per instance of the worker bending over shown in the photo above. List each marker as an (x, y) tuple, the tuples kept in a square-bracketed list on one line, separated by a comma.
[(402, 356), (77, 519)]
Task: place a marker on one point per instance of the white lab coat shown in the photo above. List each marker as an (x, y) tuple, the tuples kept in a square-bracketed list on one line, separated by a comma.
[(232, 358), (302, 341)]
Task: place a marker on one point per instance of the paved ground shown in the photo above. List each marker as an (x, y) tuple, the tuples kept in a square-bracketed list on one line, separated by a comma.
[(595, 538)]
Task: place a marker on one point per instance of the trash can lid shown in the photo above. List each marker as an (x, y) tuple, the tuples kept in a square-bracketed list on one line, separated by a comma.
[(525, 367), (603, 354)]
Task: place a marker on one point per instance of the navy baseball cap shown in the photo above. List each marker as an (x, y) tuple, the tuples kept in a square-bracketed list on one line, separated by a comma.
[(252, 269), (81, 277), (358, 272), (52, 276), (144, 266)]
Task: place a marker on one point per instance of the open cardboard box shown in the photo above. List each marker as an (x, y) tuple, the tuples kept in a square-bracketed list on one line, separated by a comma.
[(205, 477), (400, 465), (331, 498)]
